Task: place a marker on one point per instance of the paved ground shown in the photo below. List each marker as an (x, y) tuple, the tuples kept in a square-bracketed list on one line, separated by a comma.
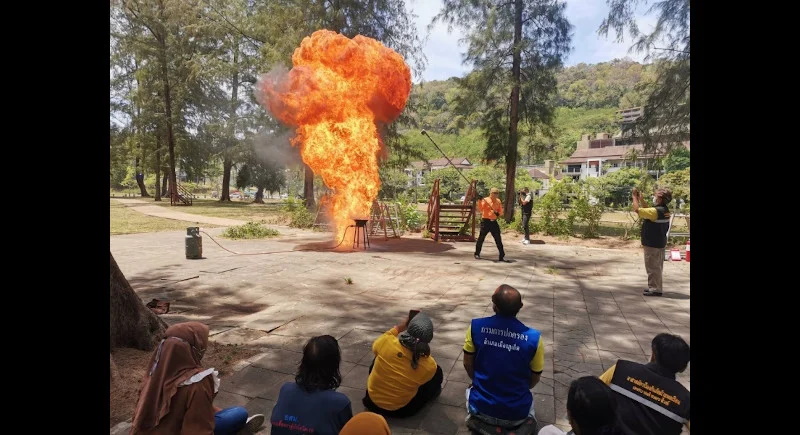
[(586, 301)]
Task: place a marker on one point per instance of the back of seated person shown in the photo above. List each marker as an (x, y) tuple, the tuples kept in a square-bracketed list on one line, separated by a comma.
[(591, 409), (311, 403), (651, 400)]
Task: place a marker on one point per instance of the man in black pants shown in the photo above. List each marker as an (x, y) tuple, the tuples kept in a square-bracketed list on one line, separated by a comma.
[(526, 201), (490, 208)]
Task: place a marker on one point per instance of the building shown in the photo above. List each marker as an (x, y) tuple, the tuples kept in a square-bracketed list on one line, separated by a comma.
[(417, 170), (543, 173), (602, 154)]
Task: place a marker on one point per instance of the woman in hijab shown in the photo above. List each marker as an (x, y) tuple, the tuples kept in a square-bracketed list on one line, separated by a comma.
[(403, 376), (177, 392), (366, 423)]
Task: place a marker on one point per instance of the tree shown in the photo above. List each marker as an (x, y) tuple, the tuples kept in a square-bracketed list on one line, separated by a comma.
[(516, 47), (265, 175), (132, 324), (665, 121), (677, 160), (450, 181), (393, 182)]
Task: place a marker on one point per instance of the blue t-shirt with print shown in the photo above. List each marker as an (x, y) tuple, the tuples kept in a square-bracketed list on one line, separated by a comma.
[(300, 412)]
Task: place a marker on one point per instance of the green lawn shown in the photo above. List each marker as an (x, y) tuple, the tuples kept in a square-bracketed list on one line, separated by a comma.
[(241, 210), (127, 221)]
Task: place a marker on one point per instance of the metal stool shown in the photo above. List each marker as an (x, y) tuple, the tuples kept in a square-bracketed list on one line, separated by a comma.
[(361, 230)]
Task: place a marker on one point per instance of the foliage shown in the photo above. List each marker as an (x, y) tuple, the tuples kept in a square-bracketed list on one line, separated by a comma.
[(678, 184), (410, 217), (589, 205), (515, 48), (551, 206), (605, 84), (618, 185), (393, 182), (451, 185), (676, 160), (301, 218), (665, 122), (250, 230)]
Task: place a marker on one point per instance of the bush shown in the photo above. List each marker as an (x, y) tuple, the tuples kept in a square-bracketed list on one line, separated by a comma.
[(410, 217), (250, 230), (300, 217), (550, 207)]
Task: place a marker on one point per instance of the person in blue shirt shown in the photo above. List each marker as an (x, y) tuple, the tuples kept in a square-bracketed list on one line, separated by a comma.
[(504, 358), (311, 404)]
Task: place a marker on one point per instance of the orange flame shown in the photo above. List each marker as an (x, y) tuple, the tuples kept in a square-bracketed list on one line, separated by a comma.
[(337, 92)]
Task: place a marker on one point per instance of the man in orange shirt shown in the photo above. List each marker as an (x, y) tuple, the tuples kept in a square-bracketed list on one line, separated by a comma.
[(490, 208)]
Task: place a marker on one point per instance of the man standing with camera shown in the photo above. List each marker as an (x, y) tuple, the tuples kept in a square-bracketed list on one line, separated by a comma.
[(655, 224), (526, 202), (490, 208)]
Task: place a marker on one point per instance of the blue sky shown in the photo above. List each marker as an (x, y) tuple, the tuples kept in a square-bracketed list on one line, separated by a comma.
[(444, 52)]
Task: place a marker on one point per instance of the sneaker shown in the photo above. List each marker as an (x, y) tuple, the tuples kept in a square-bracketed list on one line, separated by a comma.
[(477, 257), (526, 242), (504, 260), (522, 241), (254, 423), (649, 292)]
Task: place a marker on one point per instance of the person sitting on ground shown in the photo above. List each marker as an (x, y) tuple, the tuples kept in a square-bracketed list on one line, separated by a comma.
[(651, 401), (591, 409), (311, 403), (177, 392), (403, 376), (366, 423), (504, 358)]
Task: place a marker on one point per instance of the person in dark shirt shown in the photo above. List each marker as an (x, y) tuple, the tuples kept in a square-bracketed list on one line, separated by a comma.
[(651, 401), (311, 404)]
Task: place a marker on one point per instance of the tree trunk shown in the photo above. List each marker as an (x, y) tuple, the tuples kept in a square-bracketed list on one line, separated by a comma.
[(140, 180), (225, 195), (173, 185), (228, 162), (308, 187), (158, 167), (511, 157), (164, 182), (132, 323), (259, 196)]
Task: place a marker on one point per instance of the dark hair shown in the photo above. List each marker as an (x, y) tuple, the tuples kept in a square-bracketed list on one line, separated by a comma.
[(508, 300), (319, 369), (671, 352), (592, 406), (666, 195)]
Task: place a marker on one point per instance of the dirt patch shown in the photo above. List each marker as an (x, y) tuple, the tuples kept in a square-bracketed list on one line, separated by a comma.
[(131, 365)]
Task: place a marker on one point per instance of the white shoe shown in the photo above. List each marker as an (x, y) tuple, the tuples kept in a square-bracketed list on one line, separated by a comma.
[(526, 242), (254, 423)]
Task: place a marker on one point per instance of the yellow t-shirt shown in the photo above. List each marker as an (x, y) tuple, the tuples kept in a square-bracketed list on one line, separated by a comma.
[(537, 363), (393, 383)]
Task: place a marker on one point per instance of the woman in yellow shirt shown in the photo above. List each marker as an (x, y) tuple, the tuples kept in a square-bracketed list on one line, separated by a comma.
[(403, 376)]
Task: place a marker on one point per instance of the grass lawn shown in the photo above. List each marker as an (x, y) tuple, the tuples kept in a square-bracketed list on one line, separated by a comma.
[(126, 221), (241, 210)]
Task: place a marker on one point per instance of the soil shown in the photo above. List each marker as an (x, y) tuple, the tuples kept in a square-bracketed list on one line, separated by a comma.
[(130, 368)]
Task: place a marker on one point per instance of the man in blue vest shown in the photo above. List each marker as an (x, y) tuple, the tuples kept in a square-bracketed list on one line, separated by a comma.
[(651, 401), (504, 358), (655, 224)]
